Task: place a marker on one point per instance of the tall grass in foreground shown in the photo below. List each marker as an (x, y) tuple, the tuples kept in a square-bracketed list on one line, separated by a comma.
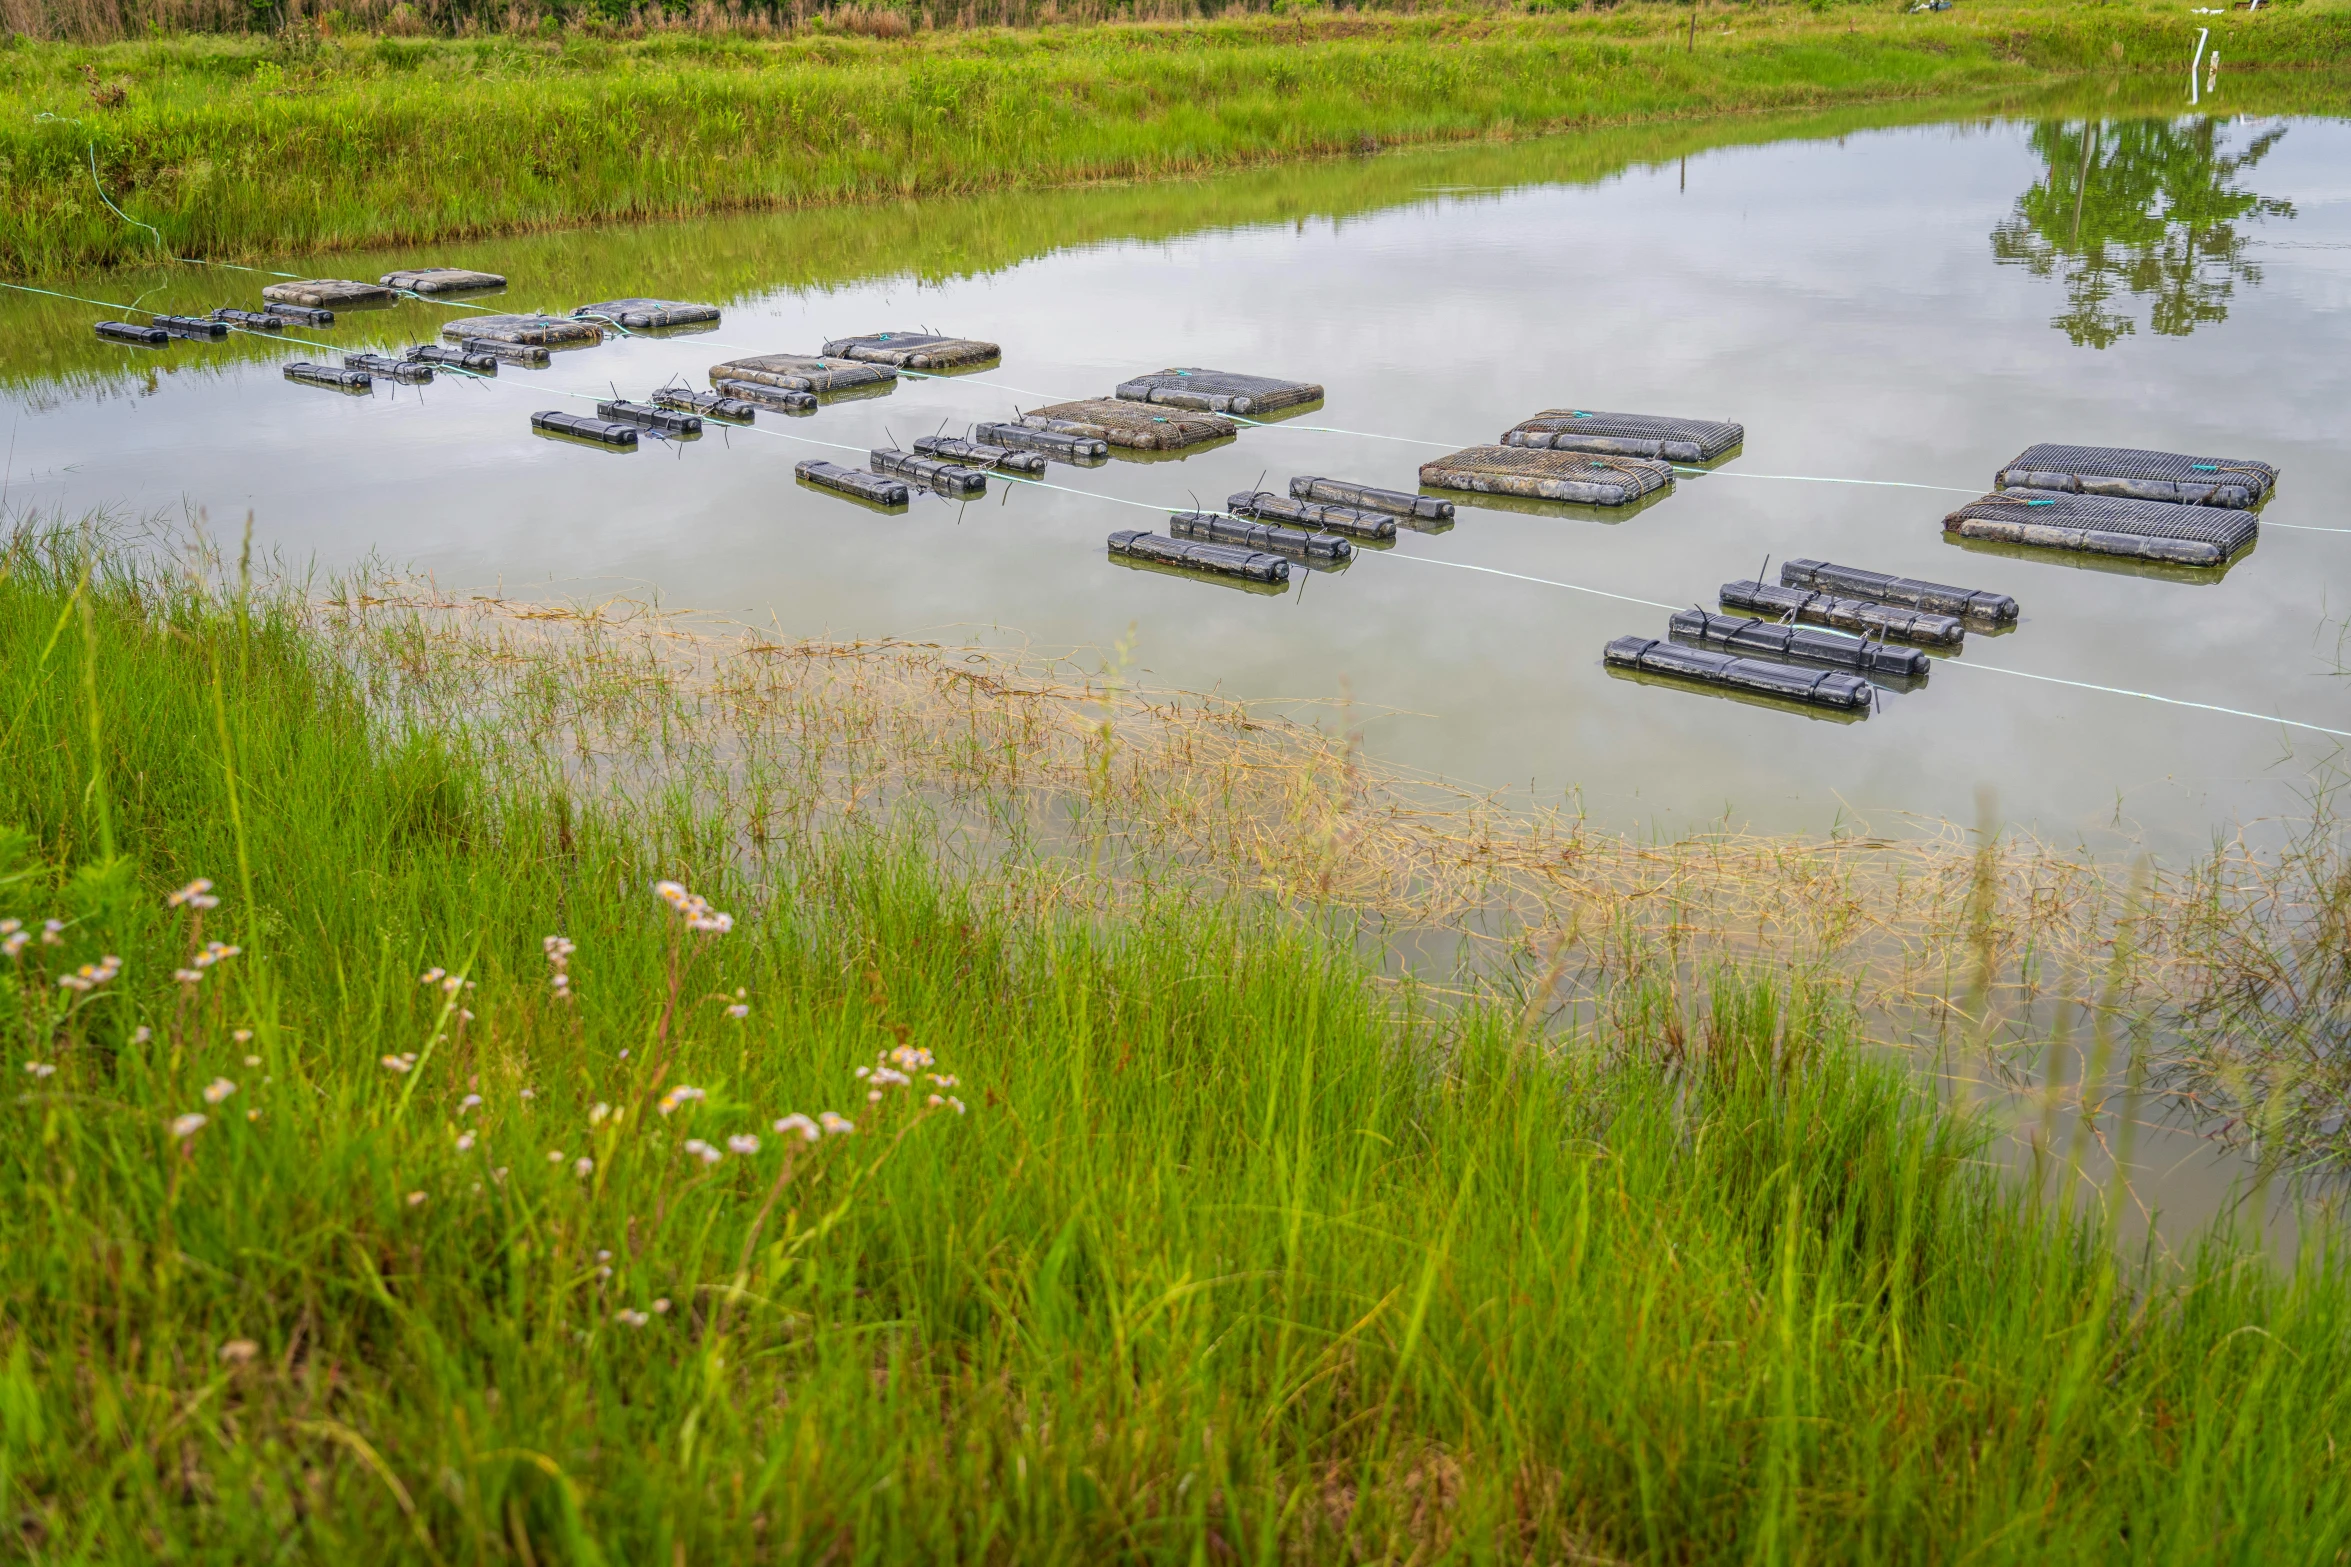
[(1233, 1257)]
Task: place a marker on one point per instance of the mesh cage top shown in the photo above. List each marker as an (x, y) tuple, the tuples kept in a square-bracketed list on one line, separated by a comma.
[(801, 372), (441, 280), (2127, 464), (913, 350), (1535, 471), (1639, 435), (328, 293), (2229, 531), (534, 331), (1218, 391), (1133, 424), (641, 315)]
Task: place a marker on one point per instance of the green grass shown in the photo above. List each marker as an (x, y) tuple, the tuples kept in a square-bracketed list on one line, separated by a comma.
[(237, 148), (1237, 1255)]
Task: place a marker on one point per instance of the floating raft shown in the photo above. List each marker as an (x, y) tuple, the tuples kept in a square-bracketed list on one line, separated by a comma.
[(801, 372), (250, 320), (335, 376), (1657, 436), (1584, 478), (203, 328), (409, 370), (301, 315), (1857, 615), (853, 481), (667, 421), (1737, 634), (759, 394), (1224, 560), (649, 315), (2127, 474), (1266, 506), (524, 354), (604, 432), (131, 332), (441, 280), (527, 331), (2105, 525), (1130, 424), (711, 405), (1877, 587), (1049, 443), (1214, 527), (1824, 688), (327, 293), (979, 454), (930, 472), (1345, 492), (913, 350), (453, 358), (1217, 391)]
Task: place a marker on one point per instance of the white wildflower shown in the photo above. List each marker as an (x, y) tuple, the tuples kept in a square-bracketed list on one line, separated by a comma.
[(217, 1090), (583, 1167), (743, 1143), (836, 1125), (799, 1125), (188, 1125), (40, 1068), (465, 1142)]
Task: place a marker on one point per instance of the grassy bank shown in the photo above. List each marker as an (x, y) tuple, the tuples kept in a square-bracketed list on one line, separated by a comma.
[(238, 147), (1235, 1255)]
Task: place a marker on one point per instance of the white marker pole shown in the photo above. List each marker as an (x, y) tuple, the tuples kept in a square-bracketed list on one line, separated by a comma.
[(2202, 33)]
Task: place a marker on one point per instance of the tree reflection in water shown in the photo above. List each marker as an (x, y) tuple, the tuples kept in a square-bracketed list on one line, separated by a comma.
[(2138, 209)]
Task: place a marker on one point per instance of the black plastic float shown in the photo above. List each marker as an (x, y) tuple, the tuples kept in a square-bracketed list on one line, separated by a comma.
[(202, 328), (2107, 525), (2129, 473), (1329, 516), (527, 355), (1345, 492), (129, 332), (978, 454), (1658, 436), (410, 370), (853, 481), (1876, 586), (1737, 634), (1822, 688), (664, 420), (453, 358), (335, 377), (1224, 560), (1051, 443), (929, 472), (1858, 615), (604, 432), (250, 320), (711, 405), (781, 399), (1214, 527)]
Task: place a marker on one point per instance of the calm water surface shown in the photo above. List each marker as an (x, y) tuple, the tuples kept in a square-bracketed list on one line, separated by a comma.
[(1911, 304)]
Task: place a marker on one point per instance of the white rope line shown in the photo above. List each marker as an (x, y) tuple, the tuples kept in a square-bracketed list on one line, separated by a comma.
[(1494, 571)]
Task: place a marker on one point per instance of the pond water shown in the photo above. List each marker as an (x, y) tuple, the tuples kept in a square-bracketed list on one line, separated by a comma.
[(1904, 303)]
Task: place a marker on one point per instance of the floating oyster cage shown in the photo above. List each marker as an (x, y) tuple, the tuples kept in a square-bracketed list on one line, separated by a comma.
[(523, 354), (801, 372), (930, 472), (1266, 506), (1823, 688), (1214, 527), (780, 399), (913, 350), (664, 420), (526, 331), (2106, 525), (337, 377), (1346, 492), (1975, 604), (1771, 639), (408, 370), (979, 454), (1859, 616), (1660, 437), (649, 315), (203, 328), (711, 405), (1582, 478), (579, 427), (873, 487), (250, 320), (301, 315), (1224, 560), (441, 280), (1048, 443), (453, 358), (1217, 391), (328, 293), (131, 332), (1130, 425), (2126, 473)]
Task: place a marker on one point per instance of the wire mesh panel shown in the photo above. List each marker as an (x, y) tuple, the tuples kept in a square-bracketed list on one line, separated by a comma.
[(648, 315), (1218, 391), (1586, 478), (2106, 525), (2131, 474), (801, 372), (328, 293), (1858, 615), (1770, 638), (527, 331), (441, 280), (1658, 436), (1821, 688), (1132, 425), (914, 350), (1225, 560), (1878, 587)]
